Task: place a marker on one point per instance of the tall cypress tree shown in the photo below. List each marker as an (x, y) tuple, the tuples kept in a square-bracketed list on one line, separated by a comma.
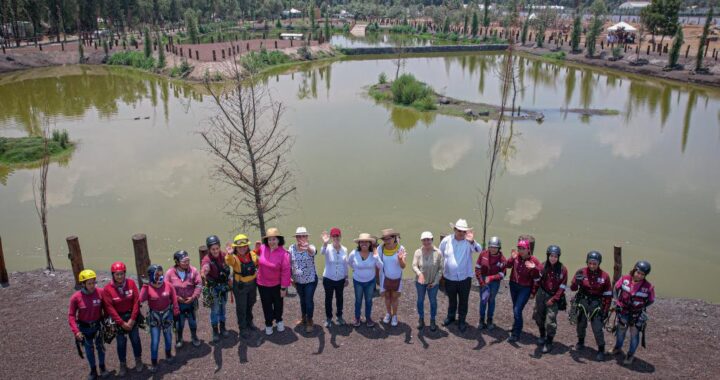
[(703, 41)]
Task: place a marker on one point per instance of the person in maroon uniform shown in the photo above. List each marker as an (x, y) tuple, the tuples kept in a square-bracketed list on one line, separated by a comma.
[(188, 286), (489, 271), (634, 293), (592, 301), (120, 298), (215, 274), (85, 315), (524, 276), (549, 294), (163, 311)]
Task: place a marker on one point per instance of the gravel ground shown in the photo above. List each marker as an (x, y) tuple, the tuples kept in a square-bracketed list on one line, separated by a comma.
[(37, 342)]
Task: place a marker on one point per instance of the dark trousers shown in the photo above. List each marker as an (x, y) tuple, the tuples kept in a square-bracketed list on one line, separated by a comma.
[(520, 296), (331, 287), (306, 292), (245, 298), (272, 303), (458, 295)]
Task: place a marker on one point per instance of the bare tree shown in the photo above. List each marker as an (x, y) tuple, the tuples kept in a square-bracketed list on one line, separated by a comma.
[(250, 147), (40, 190)]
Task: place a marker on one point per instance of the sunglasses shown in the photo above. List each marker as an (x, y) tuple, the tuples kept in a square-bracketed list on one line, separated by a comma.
[(427, 239)]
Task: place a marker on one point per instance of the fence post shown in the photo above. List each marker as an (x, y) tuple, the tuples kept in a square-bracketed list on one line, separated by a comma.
[(687, 51), (142, 257), (617, 269), (197, 55), (4, 280), (203, 251), (75, 256)]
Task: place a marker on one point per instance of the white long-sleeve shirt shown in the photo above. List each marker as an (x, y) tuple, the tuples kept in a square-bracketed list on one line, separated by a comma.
[(458, 258), (335, 262)]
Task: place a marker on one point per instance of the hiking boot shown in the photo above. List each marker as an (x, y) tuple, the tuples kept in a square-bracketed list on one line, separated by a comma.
[(93, 375), (387, 318), (169, 358), (482, 325), (328, 323), (139, 366), (268, 330), (421, 324), (601, 354), (513, 339), (195, 340), (122, 371), (433, 326), (303, 320), (280, 326), (580, 345), (215, 333), (340, 321), (490, 324), (153, 366), (309, 326), (179, 344), (629, 359), (616, 351), (548, 346), (394, 321), (224, 332), (104, 373), (448, 321), (540, 341)]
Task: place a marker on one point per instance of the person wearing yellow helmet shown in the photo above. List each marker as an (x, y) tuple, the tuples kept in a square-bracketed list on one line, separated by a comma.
[(244, 263), (84, 316)]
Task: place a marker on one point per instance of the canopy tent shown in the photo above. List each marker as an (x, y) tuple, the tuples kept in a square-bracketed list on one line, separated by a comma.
[(622, 25)]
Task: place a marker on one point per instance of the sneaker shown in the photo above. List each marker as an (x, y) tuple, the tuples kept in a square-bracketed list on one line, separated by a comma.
[(540, 341), (280, 326), (268, 330), (328, 323), (600, 356), (152, 368), (421, 324), (370, 323), (195, 341), (387, 318), (357, 322), (179, 344), (629, 359), (394, 321), (340, 321), (122, 371), (433, 326), (448, 321), (547, 347), (616, 351)]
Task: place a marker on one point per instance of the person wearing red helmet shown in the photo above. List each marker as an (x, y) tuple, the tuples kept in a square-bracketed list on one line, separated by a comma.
[(634, 293), (592, 301), (120, 298)]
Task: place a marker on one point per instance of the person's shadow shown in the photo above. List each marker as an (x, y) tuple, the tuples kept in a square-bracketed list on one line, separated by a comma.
[(182, 357), (317, 332), (400, 329), (471, 332), (336, 330), (254, 340), (281, 338), (638, 365), (432, 335), (375, 332), (498, 334)]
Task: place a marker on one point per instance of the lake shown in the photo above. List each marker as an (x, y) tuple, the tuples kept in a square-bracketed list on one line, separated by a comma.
[(647, 178)]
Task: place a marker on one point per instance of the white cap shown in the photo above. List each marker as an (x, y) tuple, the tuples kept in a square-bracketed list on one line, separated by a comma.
[(426, 235), (301, 231)]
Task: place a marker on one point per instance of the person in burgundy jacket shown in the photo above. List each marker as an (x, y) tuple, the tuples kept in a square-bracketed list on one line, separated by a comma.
[(593, 299), (524, 276), (273, 278), (489, 271), (188, 286), (120, 299), (215, 274), (85, 314), (551, 290), (164, 309), (634, 293)]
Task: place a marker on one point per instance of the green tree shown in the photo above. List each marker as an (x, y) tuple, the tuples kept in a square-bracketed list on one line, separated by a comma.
[(465, 23), (191, 24), (703, 41), (147, 43), (599, 10), (675, 50), (486, 13), (576, 32), (525, 26), (161, 52), (474, 26), (327, 27)]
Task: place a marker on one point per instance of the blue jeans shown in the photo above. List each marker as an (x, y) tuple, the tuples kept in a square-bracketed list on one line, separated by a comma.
[(93, 340), (155, 339), (432, 295), (306, 292), (187, 313), (217, 311), (489, 306), (363, 290), (122, 338), (622, 329), (520, 296)]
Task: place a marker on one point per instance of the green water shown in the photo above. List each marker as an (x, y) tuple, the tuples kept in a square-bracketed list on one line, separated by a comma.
[(647, 179)]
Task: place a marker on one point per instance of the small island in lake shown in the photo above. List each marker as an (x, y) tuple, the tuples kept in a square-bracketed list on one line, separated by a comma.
[(27, 151)]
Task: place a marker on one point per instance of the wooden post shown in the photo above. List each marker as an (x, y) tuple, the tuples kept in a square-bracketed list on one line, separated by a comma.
[(687, 51), (75, 256), (203, 251), (142, 257), (617, 269), (4, 280)]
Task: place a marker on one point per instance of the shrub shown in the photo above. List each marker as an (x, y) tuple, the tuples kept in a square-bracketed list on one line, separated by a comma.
[(406, 90), (304, 53), (132, 58), (382, 78), (425, 104), (558, 55), (256, 61), (181, 71)]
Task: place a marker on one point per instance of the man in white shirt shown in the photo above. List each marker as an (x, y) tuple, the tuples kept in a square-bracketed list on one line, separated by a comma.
[(457, 250)]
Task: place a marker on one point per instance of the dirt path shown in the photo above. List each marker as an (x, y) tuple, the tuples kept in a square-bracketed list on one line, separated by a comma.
[(682, 342)]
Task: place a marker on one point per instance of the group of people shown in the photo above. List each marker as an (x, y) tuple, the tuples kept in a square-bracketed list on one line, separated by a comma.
[(270, 268)]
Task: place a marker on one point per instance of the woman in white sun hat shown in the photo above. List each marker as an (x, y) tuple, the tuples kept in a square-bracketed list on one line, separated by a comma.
[(427, 265)]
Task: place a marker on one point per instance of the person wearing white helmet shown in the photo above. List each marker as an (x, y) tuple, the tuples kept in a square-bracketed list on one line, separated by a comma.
[(427, 265)]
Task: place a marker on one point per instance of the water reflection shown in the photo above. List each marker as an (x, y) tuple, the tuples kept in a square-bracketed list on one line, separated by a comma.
[(525, 210), (448, 151)]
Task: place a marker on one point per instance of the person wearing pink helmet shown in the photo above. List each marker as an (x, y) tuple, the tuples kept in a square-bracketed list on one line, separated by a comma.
[(120, 299)]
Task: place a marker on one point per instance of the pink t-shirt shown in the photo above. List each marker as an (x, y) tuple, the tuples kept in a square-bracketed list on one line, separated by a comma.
[(159, 299), (84, 308), (273, 267)]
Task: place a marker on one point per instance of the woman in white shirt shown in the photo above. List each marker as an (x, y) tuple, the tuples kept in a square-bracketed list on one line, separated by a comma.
[(364, 260), (335, 275), (392, 255)]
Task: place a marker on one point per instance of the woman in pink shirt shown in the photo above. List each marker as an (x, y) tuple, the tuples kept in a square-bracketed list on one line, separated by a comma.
[(84, 317), (185, 279), (163, 304), (273, 278)]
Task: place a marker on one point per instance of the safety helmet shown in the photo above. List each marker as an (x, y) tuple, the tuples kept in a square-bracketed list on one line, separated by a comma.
[(179, 256), (118, 266), (495, 242), (240, 240), (212, 240), (643, 266), (152, 270), (553, 250), (594, 255), (85, 275)]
